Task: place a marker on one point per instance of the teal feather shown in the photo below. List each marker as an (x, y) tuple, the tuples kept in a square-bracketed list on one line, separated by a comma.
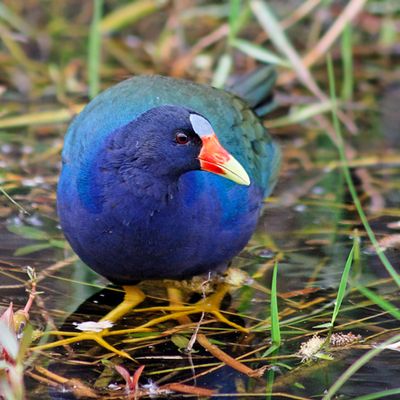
[(237, 127)]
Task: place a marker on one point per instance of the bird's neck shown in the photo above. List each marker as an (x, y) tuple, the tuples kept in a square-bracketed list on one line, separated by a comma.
[(149, 187), (105, 180)]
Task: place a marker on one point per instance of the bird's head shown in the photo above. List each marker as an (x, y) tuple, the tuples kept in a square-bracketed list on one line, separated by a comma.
[(171, 140)]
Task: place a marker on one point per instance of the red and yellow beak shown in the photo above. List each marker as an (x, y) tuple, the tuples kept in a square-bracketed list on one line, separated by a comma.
[(214, 158)]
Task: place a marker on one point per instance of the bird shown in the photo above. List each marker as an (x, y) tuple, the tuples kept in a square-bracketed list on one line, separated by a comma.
[(165, 178)]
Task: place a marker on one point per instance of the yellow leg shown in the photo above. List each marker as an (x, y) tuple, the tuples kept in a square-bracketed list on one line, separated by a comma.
[(210, 304), (133, 297)]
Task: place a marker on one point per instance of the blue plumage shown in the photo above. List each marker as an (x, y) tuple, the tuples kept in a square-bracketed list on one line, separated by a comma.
[(132, 200)]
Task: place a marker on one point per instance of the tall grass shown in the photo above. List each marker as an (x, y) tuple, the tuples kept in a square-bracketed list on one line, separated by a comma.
[(342, 287), (346, 172), (275, 328), (94, 52), (347, 62)]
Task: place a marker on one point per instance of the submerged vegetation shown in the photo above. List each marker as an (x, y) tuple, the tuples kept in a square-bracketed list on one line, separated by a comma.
[(320, 281)]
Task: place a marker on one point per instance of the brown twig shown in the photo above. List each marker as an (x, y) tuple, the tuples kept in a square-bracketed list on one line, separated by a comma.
[(55, 267), (75, 385), (302, 11), (352, 9), (178, 67), (181, 388), (228, 360), (213, 349)]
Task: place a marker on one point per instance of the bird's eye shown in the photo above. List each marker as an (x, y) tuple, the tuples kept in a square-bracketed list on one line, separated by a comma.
[(181, 138)]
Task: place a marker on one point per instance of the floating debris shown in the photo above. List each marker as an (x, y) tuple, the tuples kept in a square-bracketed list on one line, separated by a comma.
[(93, 326), (237, 277), (394, 225), (344, 339), (393, 346), (311, 349)]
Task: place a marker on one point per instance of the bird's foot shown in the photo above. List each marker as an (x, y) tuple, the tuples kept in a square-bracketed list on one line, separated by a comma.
[(97, 331), (74, 337), (208, 305)]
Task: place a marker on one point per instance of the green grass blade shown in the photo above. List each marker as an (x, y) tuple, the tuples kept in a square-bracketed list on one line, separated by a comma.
[(380, 302), (270, 350), (29, 232), (239, 14), (341, 290), (342, 286), (10, 199), (94, 49), (33, 248), (269, 383), (128, 14), (265, 16), (14, 20), (379, 395), (271, 25), (24, 343), (347, 61), (234, 16), (346, 171), (301, 113), (275, 329), (222, 71), (259, 53)]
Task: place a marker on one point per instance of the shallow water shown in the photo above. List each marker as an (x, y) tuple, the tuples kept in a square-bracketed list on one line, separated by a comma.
[(313, 230)]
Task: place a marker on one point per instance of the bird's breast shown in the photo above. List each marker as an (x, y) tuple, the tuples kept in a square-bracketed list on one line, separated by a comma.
[(192, 229)]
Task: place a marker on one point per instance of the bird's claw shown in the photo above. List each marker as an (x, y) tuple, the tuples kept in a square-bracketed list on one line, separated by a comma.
[(207, 305), (75, 337)]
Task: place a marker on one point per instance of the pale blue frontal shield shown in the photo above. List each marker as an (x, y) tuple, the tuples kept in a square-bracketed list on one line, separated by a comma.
[(200, 125)]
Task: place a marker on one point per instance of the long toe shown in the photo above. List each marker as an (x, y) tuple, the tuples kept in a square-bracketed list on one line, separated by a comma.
[(75, 337)]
